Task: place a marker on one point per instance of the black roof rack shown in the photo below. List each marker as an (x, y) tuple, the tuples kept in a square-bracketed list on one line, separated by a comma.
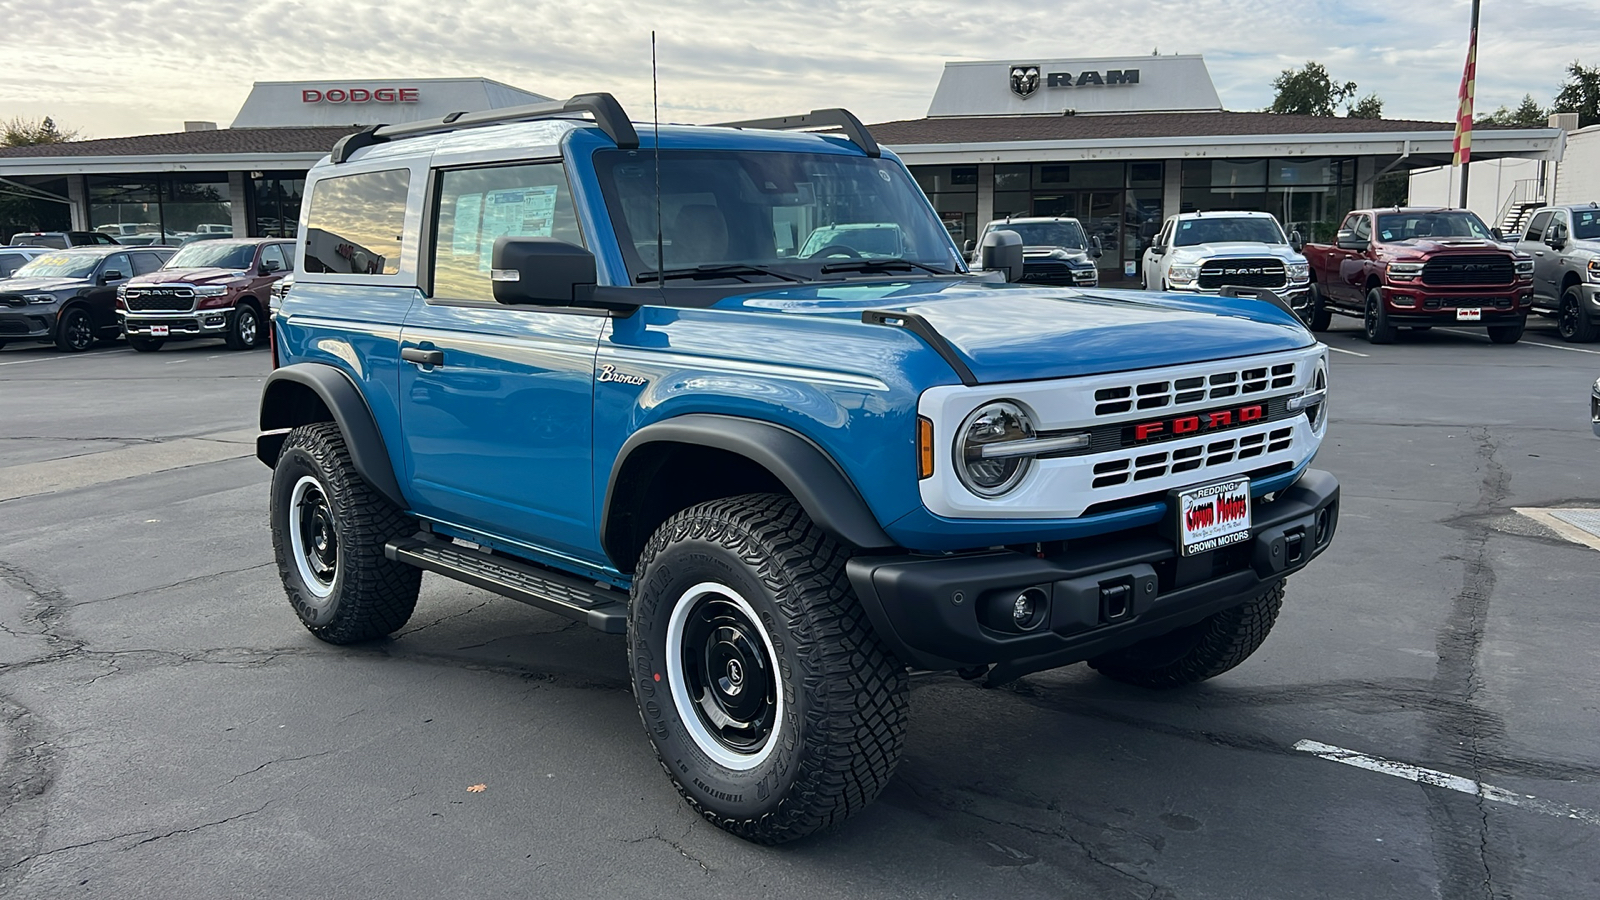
[(608, 114), (818, 118)]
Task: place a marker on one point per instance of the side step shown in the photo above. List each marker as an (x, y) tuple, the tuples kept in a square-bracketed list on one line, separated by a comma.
[(534, 585)]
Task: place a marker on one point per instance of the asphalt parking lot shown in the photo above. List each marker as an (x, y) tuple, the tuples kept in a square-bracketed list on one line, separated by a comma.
[(1420, 724)]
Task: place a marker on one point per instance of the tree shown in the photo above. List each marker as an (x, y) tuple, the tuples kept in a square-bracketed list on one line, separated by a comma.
[(1581, 94), (20, 132), (1528, 114), (1368, 107), (1310, 91)]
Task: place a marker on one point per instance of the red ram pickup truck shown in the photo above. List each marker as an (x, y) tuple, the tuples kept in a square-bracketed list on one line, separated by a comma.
[(1417, 268)]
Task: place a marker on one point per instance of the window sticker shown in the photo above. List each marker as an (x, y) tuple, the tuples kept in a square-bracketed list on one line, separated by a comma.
[(523, 212), (1387, 234)]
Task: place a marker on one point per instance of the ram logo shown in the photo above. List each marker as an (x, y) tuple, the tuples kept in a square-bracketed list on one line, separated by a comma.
[(1024, 80), (1255, 270)]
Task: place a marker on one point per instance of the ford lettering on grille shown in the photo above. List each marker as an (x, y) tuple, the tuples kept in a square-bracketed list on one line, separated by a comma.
[(1193, 424)]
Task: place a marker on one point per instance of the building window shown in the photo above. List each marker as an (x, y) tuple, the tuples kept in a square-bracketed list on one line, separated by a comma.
[(1307, 195), (275, 203), (953, 191), (160, 209)]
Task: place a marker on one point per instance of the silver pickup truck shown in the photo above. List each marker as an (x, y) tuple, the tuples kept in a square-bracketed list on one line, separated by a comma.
[(1564, 242)]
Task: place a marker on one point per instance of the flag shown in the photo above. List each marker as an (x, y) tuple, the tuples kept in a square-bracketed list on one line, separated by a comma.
[(1463, 141)]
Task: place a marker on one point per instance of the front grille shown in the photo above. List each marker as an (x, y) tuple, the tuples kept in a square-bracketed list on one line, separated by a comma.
[(13, 300), (1220, 385), (1050, 271), (1468, 302), (1480, 268), (1264, 272), (1145, 466), (13, 326), (163, 299)]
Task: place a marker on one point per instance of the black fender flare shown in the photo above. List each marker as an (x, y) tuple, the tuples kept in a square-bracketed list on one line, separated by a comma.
[(823, 490), (343, 399)]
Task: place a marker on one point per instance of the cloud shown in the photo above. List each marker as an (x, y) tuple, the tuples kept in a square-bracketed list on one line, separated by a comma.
[(114, 67)]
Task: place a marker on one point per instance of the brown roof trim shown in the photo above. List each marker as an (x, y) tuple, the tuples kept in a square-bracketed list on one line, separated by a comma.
[(999, 129), (319, 139)]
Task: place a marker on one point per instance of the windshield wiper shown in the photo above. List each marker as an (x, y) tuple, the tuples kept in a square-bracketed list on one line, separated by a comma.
[(864, 265), (731, 270)]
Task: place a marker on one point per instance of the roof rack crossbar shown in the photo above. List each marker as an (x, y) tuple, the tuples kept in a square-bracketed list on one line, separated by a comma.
[(818, 118), (607, 112)]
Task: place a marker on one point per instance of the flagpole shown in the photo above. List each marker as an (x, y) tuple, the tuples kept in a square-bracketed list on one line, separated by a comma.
[(1464, 114)]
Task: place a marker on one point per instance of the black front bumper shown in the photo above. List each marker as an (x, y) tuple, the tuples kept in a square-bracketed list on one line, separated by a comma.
[(937, 612)]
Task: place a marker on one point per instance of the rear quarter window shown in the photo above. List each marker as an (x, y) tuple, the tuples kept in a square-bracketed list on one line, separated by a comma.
[(356, 223)]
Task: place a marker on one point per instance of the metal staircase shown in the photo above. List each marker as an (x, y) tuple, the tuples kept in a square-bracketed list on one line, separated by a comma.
[(1526, 196)]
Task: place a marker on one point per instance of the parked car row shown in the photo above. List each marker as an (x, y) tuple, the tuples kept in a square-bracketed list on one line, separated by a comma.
[(77, 297)]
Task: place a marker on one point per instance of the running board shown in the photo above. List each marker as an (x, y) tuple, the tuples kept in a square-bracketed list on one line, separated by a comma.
[(534, 585)]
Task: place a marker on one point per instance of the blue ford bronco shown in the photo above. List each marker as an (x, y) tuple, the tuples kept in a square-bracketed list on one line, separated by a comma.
[(608, 372)]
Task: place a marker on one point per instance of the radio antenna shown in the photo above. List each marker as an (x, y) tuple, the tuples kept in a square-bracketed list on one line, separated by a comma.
[(655, 110)]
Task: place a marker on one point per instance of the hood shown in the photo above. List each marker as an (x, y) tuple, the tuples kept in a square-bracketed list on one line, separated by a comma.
[(190, 276), (1195, 252), (1419, 247), (1010, 332), (41, 285)]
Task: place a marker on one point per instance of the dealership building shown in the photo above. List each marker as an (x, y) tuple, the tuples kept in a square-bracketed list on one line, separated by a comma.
[(1119, 143)]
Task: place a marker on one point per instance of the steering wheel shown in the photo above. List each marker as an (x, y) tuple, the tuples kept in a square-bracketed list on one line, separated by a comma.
[(836, 250)]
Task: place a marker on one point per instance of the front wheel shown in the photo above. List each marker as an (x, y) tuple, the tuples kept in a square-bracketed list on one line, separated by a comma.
[(144, 344), (1375, 324), (1196, 652), (1571, 323), (328, 531), (768, 698), (74, 330), (244, 332), (1508, 334), (1321, 316)]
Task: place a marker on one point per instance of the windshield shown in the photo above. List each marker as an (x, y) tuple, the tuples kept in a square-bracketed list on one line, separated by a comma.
[(213, 254), (1048, 234), (1208, 230), (768, 216), (1414, 226), (1586, 224), (60, 265)]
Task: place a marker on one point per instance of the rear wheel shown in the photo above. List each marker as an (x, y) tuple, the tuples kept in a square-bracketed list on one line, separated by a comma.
[(144, 344), (74, 330), (1508, 334), (1375, 323), (1571, 323), (1196, 652), (328, 531), (768, 698), (244, 332)]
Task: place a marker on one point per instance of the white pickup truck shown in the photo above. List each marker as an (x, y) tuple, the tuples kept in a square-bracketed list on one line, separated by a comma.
[(1203, 252)]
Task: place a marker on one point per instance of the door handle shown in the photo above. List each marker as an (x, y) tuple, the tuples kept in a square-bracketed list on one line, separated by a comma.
[(422, 357)]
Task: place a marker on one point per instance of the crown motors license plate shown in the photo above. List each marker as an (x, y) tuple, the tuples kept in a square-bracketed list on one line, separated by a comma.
[(1470, 314), (1213, 516), (159, 330)]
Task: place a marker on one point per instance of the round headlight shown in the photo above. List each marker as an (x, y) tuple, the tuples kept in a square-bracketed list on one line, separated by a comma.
[(992, 423), (1319, 382)]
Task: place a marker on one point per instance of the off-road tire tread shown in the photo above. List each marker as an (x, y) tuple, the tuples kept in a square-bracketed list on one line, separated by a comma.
[(1227, 639), (858, 690), (377, 594), (231, 337)]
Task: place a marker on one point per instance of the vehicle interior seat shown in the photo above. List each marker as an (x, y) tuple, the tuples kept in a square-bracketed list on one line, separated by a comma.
[(699, 235)]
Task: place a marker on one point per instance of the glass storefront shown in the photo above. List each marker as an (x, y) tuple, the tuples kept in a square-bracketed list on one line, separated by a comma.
[(1308, 195), (1120, 203), (275, 203), (33, 203), (953, 191), (160, 209)]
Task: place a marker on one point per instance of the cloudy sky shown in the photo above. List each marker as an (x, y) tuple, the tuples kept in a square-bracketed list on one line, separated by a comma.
[(115, 67)]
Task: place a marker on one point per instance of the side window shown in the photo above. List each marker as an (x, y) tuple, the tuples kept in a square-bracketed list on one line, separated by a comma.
[(10, 262), (118, 263), (1166, 233), (1362, 228), (288, 256), (1536, 227), (272, 258), (478, 205), (145, 263), (355, 223)]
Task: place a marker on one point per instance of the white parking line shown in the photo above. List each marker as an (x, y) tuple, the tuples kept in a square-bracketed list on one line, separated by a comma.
[(1351, 352), (1559, 347), (40, 359), (1446, 780)]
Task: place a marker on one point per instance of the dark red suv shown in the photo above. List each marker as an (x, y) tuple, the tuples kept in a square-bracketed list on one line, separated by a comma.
[(207, 289)]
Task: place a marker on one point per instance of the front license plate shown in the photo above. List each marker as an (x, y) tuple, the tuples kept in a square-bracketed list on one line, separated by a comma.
[(158, 330), (1469, 315), (1214, 515)]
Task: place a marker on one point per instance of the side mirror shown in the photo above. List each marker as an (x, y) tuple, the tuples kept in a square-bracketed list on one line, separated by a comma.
[(1096, 249), (968, 247), (1002, 251), (1556, 237), (1296, 243), (110, 275), (1347, 240), (542, 271), (1497, 234)]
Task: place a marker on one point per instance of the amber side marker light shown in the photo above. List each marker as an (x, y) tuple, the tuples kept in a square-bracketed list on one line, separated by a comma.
[(924, 447)]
